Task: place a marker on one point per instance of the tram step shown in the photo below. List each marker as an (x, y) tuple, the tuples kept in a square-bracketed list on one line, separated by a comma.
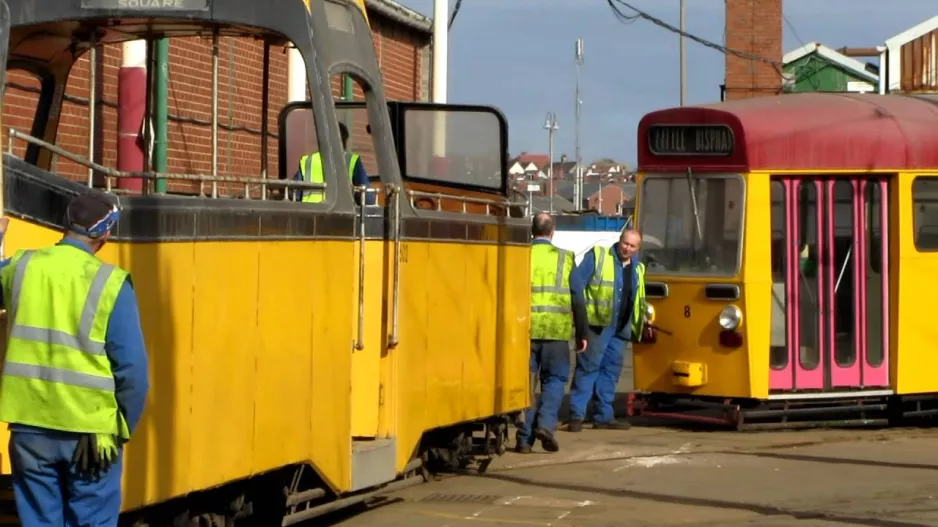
[(373, 462)]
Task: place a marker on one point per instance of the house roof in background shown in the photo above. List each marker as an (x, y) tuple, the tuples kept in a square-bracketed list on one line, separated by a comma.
[(853, 65)]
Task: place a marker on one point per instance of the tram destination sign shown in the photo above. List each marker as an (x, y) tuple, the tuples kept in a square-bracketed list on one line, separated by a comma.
[(690, 140), (147, 5)]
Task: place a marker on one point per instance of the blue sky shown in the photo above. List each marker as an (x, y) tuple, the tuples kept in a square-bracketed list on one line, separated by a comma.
[(517, 55)]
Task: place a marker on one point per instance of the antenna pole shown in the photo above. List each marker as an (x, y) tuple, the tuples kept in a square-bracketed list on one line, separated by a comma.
[(578, 181)]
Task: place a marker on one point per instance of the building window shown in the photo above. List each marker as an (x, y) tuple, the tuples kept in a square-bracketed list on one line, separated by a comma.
[(925, 213)]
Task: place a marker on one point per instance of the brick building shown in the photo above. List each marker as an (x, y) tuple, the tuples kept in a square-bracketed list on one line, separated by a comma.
[(753, 27), (402, 43)]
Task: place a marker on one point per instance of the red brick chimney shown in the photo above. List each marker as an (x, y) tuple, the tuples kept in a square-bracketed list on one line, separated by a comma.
[(753, 27)]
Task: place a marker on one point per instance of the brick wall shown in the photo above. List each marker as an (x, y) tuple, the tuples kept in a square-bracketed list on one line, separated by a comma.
[(402, 57), (754, 27)]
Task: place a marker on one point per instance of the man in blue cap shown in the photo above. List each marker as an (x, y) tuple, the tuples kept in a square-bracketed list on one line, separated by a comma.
[(75, 375)]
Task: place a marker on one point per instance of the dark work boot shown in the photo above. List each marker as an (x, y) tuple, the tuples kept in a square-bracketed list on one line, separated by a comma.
[(575, 425), (612, 425), (547, 440), (522, 448)]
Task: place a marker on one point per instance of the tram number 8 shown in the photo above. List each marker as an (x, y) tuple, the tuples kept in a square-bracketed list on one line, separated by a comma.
[(686, 311)]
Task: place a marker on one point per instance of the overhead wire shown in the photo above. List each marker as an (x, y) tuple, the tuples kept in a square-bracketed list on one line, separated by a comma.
[(638, 13), (452, 17)]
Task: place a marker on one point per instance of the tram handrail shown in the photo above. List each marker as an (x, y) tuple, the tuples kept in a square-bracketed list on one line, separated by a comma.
[(394, 198), (245, 180), (362, 191), (489, 203), (118, 174)]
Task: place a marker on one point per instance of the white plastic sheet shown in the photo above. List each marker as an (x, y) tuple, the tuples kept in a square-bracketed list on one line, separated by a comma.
[(580, 242)]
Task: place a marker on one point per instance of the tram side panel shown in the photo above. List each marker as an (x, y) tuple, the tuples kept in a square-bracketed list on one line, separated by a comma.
[(914, 220), (756, 272), (222, 377), (463, 349), (513, 297), (307, 322), (410, 388), (273, 392)]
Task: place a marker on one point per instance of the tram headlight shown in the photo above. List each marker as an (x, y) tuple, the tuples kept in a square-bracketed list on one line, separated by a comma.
[(650, 313), (730, 318)]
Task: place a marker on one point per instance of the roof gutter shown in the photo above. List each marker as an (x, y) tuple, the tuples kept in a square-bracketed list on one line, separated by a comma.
[(401, 14)]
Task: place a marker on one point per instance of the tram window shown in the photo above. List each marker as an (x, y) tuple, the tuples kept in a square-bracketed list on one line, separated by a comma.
[(778, 355), (19, 106), (874, 277), (678, 240), (925, 215), (297, 139), (873, 226), (361, 167), (455, 147), (240, 138), (807, 275)]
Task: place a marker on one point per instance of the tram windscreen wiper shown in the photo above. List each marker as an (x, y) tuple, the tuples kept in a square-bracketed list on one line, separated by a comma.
[(693, 204)]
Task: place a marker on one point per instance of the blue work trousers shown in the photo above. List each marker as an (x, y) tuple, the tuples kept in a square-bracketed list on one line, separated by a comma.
[(597, 373), (48, 490), (550, 361)]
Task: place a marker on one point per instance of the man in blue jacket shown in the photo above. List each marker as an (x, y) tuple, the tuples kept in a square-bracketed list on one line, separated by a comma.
[(75, 375), (612, 280)]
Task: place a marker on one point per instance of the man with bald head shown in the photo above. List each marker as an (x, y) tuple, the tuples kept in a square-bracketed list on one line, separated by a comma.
[(554, 313), (612, 282)]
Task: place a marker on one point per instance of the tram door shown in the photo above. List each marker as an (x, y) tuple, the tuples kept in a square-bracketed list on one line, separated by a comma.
[(830, 291)]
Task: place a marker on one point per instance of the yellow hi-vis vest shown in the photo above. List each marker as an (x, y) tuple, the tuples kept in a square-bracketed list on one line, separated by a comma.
[(600, 292), (56, 373), (311, 170), (551, 304)]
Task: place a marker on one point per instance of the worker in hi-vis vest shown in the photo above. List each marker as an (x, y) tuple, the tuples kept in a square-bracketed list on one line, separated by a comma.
[(310, 170), (74, 379), (555, 314), (613, 282)]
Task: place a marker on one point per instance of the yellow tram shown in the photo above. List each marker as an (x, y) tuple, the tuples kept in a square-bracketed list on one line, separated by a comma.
[(789, 243), (303, 355)]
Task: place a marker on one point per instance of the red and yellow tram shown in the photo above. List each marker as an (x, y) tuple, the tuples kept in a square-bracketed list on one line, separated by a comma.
[(790, 244)]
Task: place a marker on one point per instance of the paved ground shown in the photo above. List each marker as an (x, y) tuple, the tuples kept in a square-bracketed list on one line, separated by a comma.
[(666, 477), (659, 476)]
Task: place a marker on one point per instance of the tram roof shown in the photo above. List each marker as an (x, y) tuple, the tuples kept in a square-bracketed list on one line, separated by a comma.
[(130, 19), (807, 131)]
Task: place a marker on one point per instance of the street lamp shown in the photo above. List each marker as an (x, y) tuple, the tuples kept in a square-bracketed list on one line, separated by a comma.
[(550, 124)]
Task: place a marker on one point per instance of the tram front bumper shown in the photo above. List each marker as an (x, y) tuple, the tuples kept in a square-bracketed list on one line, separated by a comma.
[(688, 374)]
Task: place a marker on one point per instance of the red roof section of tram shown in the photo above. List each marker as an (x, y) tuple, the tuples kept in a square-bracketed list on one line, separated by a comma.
[(809, 131)]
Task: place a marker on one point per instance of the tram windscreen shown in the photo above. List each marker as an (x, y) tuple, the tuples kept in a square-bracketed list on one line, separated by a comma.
[(450, 145), (691, 224)]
